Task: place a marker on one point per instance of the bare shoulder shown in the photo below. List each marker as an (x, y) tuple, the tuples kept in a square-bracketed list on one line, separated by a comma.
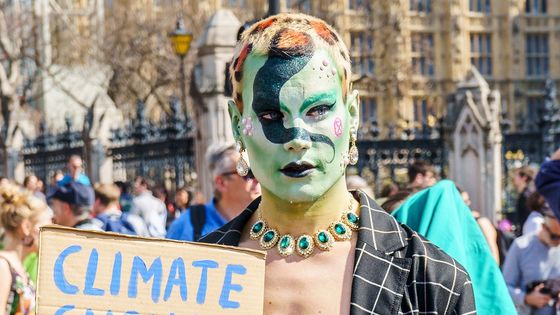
[(4, 262), (9, 263), (4, 266), (486, 224), (5, 273)]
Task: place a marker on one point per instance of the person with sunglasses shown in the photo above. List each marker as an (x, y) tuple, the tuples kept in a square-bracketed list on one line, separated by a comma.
[(532, 259), (232, 194)]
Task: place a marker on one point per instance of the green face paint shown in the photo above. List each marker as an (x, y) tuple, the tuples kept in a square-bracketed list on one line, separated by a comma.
[(300, 138)]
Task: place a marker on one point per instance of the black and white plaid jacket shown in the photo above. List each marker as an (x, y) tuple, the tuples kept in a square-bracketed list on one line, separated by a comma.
[(396, 271)]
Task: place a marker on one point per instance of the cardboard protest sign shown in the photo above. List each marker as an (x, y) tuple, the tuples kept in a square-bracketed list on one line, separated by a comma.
[(91, 273)]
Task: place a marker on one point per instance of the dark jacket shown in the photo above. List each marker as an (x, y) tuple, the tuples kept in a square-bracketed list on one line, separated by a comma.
[(396, 270), (548, 184)]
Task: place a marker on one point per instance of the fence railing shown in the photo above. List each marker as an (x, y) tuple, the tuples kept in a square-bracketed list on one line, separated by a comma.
[(47, 153), (163, 153), (387, 159)]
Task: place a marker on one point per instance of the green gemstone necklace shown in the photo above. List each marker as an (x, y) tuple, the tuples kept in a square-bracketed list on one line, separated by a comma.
[(286, 244)]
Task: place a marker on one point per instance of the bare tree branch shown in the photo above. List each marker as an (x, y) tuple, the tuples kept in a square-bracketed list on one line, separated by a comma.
[(5, 87), (6, 45)]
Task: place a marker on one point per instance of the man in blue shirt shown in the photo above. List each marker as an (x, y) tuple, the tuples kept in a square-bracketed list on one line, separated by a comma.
[(183, 229), (75, 172), (232, 194), (531, 260)]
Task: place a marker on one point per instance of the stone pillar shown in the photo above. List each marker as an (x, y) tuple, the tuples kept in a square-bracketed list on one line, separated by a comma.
[(475, 143), (15, 165), (102, 170), (100, 119), (212, 122)]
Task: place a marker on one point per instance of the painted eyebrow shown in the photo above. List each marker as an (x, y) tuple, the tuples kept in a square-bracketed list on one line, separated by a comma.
[(330, 96), (308, 102)]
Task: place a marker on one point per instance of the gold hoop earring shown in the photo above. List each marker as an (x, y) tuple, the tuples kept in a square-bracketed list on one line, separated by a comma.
[(242, 167), (353, 152)]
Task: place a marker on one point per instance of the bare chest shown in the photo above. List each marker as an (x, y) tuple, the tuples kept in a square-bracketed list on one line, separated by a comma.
[(320, 284)]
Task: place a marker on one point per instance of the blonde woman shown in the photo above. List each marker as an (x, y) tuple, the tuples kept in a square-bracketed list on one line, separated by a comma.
[(21, 216)]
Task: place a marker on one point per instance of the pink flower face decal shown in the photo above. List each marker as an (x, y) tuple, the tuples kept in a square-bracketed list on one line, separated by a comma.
[(247, 126), (337, 125)]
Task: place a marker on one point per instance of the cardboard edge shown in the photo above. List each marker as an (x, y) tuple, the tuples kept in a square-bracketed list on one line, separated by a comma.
[(37, 289), (55, 227)]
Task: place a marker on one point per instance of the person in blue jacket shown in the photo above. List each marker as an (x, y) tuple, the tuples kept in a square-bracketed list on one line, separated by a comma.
[(232, 193)]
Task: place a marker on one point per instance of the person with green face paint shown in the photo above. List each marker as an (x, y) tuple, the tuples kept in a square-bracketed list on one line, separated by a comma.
[(330, 251)]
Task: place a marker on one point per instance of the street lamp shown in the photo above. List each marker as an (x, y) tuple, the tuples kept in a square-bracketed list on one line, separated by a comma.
[(181, 41)]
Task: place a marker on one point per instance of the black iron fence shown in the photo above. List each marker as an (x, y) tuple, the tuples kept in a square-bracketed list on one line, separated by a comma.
[(165, 152), (383, 160), (47, 153), (162, 152), (530, 146), (386, 159)]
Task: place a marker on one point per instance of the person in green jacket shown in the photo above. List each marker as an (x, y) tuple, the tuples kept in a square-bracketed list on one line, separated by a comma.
[(31, 264), (440, 214)]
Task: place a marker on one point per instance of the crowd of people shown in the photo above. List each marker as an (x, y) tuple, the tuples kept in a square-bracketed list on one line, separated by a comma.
[(524, 243), (72, 200), (529, 263)]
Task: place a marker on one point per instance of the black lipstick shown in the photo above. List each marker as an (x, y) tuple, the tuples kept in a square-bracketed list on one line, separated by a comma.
[(297, 169)]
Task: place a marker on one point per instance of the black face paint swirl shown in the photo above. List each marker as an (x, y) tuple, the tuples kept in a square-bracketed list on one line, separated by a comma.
[(270, 78)]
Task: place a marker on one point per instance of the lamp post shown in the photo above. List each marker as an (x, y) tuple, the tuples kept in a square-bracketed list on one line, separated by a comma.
[(181, 41)]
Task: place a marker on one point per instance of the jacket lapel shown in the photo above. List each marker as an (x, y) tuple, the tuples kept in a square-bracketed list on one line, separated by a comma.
[(379, 279), (230, 233)]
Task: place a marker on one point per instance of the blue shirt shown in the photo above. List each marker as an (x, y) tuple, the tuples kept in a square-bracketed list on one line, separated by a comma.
[(182, 228), (82, 179), (528, 260)]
